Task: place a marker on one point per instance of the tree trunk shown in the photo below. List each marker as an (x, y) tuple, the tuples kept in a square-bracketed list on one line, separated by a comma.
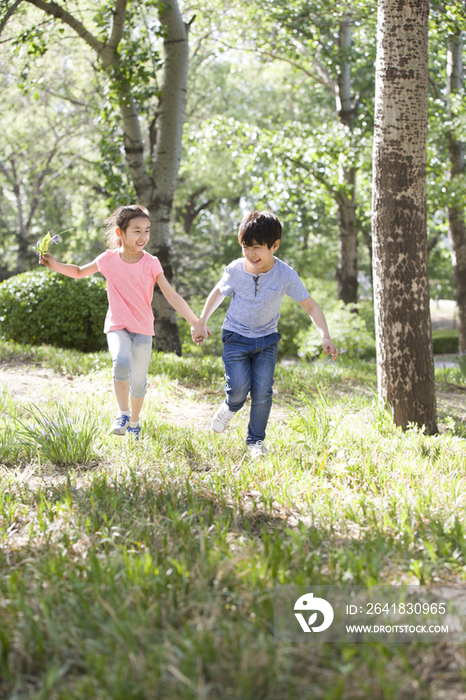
[(347, 270), (167, 157), (22, 234), (456, 218), (405, 366)]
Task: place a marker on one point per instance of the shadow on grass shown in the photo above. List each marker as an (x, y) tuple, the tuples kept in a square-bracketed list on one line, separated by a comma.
[(146, 587)]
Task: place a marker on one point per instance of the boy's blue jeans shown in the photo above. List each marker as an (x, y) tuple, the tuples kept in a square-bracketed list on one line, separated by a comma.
[(249, 368)]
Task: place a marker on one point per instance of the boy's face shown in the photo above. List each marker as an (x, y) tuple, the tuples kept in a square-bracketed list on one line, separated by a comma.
[(259, 258)]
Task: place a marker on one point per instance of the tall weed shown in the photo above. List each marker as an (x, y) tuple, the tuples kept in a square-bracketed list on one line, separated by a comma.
[(313, 422), (59, 438)]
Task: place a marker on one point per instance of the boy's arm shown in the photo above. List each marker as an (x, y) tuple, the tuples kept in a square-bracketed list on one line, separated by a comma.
[(214, 300), (74, 271), (175, 300), (316, 314)]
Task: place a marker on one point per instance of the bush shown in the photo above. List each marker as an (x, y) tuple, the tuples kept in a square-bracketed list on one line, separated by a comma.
[(445, 342), (44, 307)]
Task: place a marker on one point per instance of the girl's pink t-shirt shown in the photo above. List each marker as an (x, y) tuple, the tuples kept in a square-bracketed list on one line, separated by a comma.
[(130, 288)]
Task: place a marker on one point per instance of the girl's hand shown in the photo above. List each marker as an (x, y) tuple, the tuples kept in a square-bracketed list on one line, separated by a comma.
[(47, 260), (330, 348), (199, 332)]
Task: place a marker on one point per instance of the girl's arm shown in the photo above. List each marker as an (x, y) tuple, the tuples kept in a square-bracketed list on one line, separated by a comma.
[(69, 270), (175, 300), (316, 314), (214, 300)]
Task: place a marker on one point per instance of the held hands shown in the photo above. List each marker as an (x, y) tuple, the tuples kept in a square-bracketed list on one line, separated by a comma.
[(330, 348), (199, 332)]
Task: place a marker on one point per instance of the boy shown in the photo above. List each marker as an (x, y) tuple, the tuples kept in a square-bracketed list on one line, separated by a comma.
[(249, 333)]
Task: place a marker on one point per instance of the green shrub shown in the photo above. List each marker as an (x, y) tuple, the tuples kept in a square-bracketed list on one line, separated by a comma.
[(42, 307), (445, 342)]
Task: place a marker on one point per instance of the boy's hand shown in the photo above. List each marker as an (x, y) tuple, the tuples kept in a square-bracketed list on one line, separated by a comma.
[(199, 332), (199, 336), (330, 348)]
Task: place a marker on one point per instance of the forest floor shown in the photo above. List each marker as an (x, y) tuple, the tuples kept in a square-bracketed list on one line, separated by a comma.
[(152, 566), (183, 406)]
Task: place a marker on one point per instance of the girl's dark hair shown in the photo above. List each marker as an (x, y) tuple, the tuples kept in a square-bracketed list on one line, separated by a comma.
[(260, 226), (120, 219)]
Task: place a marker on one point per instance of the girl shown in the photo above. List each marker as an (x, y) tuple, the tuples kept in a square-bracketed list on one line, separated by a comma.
[(131, 274)]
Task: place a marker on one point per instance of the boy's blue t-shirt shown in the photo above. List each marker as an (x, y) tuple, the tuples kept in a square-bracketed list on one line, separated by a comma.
[(255, 308)]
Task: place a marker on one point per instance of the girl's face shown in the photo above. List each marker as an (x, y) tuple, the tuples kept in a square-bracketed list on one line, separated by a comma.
[(136, 236)]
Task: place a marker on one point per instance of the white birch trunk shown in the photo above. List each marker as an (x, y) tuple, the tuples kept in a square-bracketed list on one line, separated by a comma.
[(456, 215), (347, 270), (405, 366)]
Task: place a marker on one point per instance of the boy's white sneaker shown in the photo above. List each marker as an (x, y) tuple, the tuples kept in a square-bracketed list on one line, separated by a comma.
[(221, 418), (257, 449)]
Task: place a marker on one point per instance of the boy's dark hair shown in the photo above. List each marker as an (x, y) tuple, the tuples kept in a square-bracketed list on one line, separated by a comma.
[(260, 226)]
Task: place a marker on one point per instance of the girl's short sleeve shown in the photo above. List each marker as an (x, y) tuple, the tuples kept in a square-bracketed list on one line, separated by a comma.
[(156, 267), (101, 262)]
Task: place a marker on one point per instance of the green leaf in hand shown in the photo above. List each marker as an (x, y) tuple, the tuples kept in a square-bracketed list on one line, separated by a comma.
[(42, 246)]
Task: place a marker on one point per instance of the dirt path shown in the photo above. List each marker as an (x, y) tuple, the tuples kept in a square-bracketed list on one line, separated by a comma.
[(182, 406), (36, 385), (179, 405)]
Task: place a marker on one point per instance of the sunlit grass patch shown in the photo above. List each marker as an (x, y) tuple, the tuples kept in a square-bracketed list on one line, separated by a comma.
[(201, 371), (451, 375), (312, 425), (151, 572), (58, 436), (60, 360), (301, 376), (12, 451)]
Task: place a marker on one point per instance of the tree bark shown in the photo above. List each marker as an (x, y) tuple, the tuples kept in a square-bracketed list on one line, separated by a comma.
[(456, 217), (347, 270), (405, 367)]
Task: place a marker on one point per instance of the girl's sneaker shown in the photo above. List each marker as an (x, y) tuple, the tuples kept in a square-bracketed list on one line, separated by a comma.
[(134, 432), (120, 424)]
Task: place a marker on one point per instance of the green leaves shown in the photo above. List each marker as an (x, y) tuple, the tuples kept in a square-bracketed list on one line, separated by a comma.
[(43, 245), (34, 39), (42, 307)]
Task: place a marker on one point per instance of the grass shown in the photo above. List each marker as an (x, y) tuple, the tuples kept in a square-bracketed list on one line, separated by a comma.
[(58, 438), (147, 571)]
